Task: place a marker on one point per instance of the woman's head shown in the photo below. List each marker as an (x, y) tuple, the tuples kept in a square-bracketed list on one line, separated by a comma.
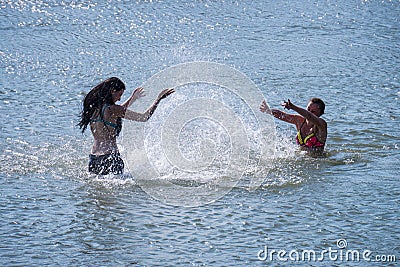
[(316, 106), (106, 92)]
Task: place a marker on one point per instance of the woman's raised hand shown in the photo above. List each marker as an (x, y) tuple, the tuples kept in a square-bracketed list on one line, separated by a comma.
[(138, 93), (164, 93)]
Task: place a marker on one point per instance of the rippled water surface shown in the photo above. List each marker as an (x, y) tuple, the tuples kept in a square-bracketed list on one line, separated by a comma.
[(53, 52)]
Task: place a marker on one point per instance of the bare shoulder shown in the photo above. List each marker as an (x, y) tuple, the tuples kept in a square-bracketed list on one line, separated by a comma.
[(322, 124), (116, 110)]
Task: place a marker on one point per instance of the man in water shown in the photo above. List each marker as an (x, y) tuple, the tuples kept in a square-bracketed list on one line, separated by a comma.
[(311, 129)]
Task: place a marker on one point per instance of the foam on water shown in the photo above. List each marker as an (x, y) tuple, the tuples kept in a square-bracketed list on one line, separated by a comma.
[(69, 161)]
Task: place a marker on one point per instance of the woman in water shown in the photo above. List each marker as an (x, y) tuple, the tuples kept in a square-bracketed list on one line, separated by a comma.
[(311, 129), (105, 120)]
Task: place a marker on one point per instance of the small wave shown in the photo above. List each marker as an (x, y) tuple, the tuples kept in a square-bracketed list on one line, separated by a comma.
[(110, 181), (23, 158)]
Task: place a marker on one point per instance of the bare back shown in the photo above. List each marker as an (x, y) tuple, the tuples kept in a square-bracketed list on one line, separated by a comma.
[(104, 133)]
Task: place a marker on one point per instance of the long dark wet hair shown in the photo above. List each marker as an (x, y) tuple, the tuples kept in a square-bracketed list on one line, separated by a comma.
[(97, 97)]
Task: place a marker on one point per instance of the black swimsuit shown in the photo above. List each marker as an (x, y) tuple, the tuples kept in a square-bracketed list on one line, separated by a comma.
[(106, 164)]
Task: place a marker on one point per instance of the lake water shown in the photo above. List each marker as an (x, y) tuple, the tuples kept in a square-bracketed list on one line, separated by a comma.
[(346, 52)]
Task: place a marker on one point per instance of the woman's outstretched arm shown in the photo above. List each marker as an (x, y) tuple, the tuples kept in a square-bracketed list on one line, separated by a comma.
[(136, 116)]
